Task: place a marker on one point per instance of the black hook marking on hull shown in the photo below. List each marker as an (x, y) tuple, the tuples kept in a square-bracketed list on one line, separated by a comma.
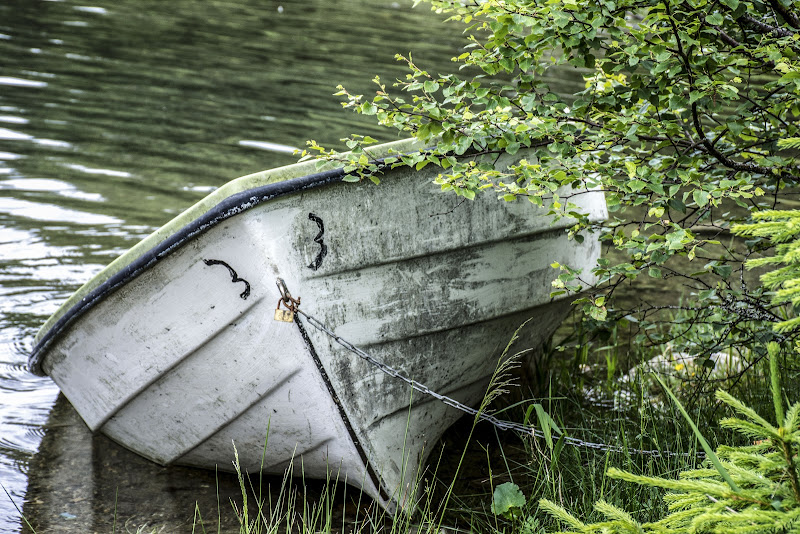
[(323, 250), (234, 277)]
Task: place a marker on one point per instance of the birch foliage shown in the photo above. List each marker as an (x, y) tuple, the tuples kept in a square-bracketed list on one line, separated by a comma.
[(677, 113)]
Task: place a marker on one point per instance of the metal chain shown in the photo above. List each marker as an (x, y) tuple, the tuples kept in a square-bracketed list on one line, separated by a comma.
[(499, 423)]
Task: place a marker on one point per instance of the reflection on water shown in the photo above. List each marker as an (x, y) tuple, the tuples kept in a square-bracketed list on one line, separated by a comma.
[(114, 117), (80, 483)]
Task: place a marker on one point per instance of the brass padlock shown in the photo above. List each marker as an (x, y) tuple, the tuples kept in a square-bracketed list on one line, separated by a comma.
[(285, 316)]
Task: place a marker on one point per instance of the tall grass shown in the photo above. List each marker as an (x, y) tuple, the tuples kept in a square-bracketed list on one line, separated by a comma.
[(589, 388), (588, 385)]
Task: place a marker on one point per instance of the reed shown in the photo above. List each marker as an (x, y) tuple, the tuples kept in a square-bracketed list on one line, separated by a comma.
[(587, 387), (607, 402)]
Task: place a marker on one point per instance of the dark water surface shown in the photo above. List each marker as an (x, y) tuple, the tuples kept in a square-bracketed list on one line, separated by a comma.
[(115, 116)]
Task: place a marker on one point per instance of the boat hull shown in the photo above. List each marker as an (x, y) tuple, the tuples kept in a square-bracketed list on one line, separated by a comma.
[(182, 356)]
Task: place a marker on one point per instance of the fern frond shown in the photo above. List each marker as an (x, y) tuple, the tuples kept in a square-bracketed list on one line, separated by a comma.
[(789, 142), (751, 430), (618, 515), (777, 276), (698, 473), (792, 419), (784, 327), (683, 501), (717, 489), (561, 514), (745, 410)]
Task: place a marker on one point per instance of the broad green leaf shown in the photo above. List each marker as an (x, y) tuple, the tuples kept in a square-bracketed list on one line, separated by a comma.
[(631, 168), (506, 499), (636, 185), (700, 197)]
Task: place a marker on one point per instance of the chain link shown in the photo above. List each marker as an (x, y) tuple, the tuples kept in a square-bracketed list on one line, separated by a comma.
[(499, 423)]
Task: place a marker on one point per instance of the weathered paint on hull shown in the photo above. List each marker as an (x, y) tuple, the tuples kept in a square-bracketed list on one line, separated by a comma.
[(185, 357)]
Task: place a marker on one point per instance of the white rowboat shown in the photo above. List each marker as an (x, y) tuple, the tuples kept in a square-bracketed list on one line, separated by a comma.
[(173, 350)]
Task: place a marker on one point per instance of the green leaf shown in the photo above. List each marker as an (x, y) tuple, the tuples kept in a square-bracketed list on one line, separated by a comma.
[(700, 197), (722, 269), (507, 499), (598, 313), (636, 185), (462, 144), (631, 168), (707, 293), (368, 108), (658, 256), (546, 424), (676, 204)]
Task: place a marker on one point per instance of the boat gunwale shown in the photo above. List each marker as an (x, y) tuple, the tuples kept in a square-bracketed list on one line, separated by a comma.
[(229, 206)]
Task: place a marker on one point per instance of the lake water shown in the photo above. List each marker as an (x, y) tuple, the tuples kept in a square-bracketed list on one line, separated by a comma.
[(114, 117)]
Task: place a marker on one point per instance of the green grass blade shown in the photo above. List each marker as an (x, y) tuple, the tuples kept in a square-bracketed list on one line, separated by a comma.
[(544, 424), (706, 447), (25, 519)]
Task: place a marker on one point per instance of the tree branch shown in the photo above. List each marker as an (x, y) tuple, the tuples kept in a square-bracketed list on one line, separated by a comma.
[(788, 16), (762, 27), (722, 158)]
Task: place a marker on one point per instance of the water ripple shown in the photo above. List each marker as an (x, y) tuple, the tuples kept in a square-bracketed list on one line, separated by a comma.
[(21, 82), (11, 135), (106, 172), (13, 369), (13, 120), (270, 147), (52, 213), (49, 185), (90, 9)]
